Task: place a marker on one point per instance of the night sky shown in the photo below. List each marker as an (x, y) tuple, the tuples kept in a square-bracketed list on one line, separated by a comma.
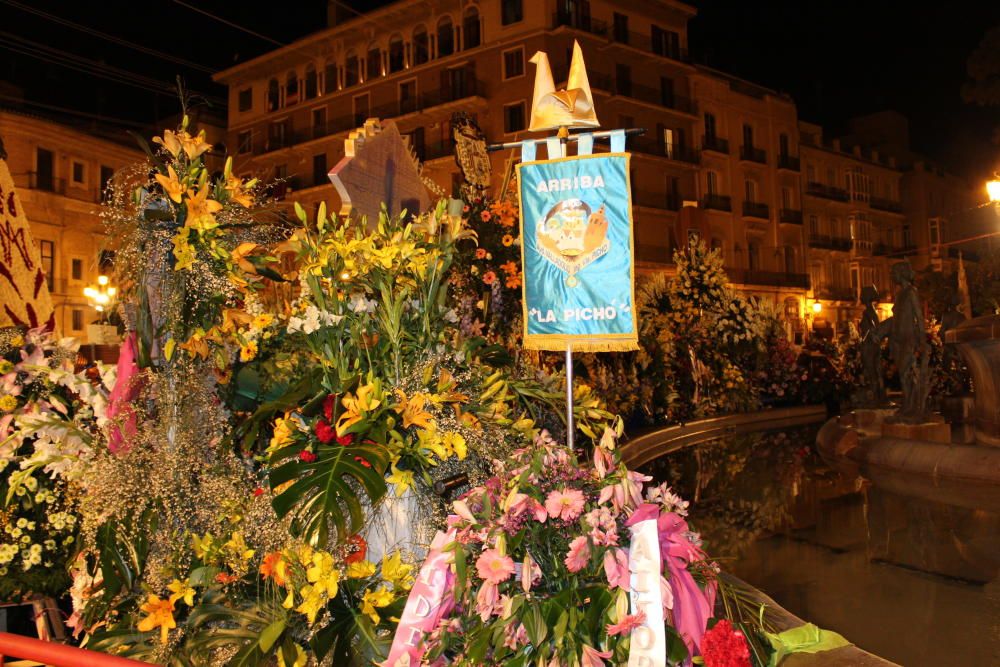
[(836, 58)]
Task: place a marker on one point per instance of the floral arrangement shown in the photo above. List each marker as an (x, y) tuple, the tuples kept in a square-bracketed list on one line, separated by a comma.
[(49, 419), (542, 561)]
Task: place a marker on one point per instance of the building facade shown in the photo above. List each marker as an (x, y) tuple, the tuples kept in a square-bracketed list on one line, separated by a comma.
[(718, 158), (60, 174)]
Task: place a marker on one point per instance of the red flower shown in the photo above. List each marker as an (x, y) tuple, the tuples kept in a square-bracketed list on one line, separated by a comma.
[(225, 578), (345, 440), (325, 432), (328, 404), (307, 456), (362, 462), (357, 549), (725, 646), (258, 492)]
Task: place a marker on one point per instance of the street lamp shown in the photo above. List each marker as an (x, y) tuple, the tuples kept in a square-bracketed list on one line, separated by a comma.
[(101, 297), (993, 190)]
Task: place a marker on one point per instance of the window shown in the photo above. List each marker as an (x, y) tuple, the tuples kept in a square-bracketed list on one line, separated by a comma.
[(810, 173), (291, 88), (77, 315), (753, 256), (245, 99), (513, 63), (513, 117), (667, 92), (397, 61), (107, 173), (352, 70), (277, 135), (932, 225), (814, 225), (783, 145), (831, 176), (621, 28), (511, 11), (710, 128), (47, 249), (79, 173), (421, 46), (373, 68), (747, 136), (408, 96), (750, 190), (280, 171), (362, 109), (76, 269), (471, 35), (712, 183), (319, 122), (623, 79), (787, 200), (244, 142), (445, 38), (789, 256), (319, 169), (312, 82), (330, 77), (273, 95), (666, 42)]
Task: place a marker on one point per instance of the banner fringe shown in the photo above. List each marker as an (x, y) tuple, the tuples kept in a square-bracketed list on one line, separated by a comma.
[(583, 346)]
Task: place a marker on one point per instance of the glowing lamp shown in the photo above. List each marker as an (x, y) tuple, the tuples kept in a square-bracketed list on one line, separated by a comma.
[(993, 190), (90, 292), (102, 280), (817, 307)]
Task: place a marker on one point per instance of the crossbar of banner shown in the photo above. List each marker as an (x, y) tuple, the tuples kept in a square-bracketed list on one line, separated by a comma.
[(598, 136)]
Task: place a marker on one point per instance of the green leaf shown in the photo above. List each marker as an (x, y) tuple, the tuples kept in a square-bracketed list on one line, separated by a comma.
[(270, 635)]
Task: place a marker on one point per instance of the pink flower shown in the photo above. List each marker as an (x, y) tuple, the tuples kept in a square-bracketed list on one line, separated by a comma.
[(566, 504), (579, 554), (493, 567), (627, 624), (530, 573), (616, 568), (486, 600), (519, 503), (592, 657)]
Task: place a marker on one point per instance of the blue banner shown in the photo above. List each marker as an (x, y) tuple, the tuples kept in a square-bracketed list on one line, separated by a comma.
[(577, 253)]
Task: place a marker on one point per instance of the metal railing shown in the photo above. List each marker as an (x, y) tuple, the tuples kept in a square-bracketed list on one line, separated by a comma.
[(659, 96), (885, 204), (756, 209), (666, 201), (770, 278), (827, 191), (717, 202), (753, 154), (790, 215), (580, 22), (711, 143), (829, 242), (670, 151)]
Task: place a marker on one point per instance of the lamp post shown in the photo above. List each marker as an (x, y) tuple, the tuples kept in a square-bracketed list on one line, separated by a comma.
[(993, 190), (101, 299)]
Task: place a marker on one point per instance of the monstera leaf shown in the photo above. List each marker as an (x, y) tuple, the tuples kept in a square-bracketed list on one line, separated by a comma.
[(323, 498)]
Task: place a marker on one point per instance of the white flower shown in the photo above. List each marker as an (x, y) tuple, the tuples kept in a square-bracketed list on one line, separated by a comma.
[(360, 304)]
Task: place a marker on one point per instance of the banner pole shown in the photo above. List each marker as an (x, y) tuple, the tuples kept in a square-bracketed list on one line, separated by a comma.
[(563, 135)]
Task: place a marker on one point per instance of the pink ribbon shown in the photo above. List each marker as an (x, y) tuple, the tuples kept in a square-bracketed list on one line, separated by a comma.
[(692, 606), (122, 396), (427, 604)]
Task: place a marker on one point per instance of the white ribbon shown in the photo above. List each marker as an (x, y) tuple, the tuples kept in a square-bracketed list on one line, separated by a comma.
[(648, 646)]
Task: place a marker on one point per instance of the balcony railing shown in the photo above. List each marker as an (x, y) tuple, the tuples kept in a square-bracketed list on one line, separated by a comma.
[(755, 209), (790, 215), (839, 293), (46, 182), (827, 191), (580, 22), (660, 149), (789, 162), (658, 96), (885, 204), (716, 202), (666, 201), (828, 242), (753, 154), (636, 40), (770, 278), (710, 143)]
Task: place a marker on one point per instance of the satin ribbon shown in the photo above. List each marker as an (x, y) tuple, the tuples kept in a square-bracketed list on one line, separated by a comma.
[(648, 645), (429, 602), (120, 401)]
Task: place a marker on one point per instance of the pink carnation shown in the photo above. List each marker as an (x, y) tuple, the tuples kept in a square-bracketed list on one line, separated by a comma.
[(567, 504), (579, 554), (627, 624), (493, 567)]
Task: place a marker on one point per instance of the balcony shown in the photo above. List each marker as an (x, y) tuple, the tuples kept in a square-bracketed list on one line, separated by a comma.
[(885, 205), (578, 21), (660, 97), (645, 43), (827, 242), (665, 201), (769, 278), (714, 202), (660, 149), (753, 154), (715, 144), (826, 191), (754, 209), (46, 182), (788, 162), (790, 216), (839, 294)]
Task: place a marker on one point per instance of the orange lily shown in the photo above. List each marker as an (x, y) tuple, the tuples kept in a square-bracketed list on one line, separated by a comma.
[(171, 185)]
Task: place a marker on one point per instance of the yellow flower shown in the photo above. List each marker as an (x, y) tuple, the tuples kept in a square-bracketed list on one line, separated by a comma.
[(361, 569), (507, 240), (262, 321), (248, 351), (171, 185), (238, 547), (238, 257), (203, 546), (455, 443), (373, 600), (237, 193), (196, 345), (430, 440), (275, 567), (312, 602), (8, 403), (169, 141), (397, 572), (161, 615), (181, 590), (201, 209), (184, 252), (403, 479), (301, 659), (5, 367), (356, 406), (289, 599), (413, 410), (305, 554), (323, 573), (193, 146), (282, 434)]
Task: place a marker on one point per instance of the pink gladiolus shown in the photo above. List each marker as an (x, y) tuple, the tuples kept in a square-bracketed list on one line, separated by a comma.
[(493, 567), (462, 510), (579, 554), (519, 503), (602, 462), (627, 624), (566, 504), (616, 568), (608, 439), (592, 657), (530, 573), (486, 600)]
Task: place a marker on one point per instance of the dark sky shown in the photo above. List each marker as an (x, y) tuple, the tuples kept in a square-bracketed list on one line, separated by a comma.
[(836, 58)]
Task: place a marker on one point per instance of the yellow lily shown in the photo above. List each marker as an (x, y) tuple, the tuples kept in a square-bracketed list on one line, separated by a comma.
[(201, 209), (234, 318), (194, 146), (323, 573), (301, 658), (181, 590), (184, 252), (402, 479), (171, 185), (312, 602), (196, 345), (396, 571), (203, 546), (169, 141), (413, 410), (430, 439), (355, 407), (238, 547), (361, 569), (161, 615), (373, 600), (237, 191), (454, 442), (239, 257)]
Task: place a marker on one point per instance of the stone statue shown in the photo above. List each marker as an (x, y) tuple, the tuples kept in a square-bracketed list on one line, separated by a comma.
[(871, 349), (908, 346)]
